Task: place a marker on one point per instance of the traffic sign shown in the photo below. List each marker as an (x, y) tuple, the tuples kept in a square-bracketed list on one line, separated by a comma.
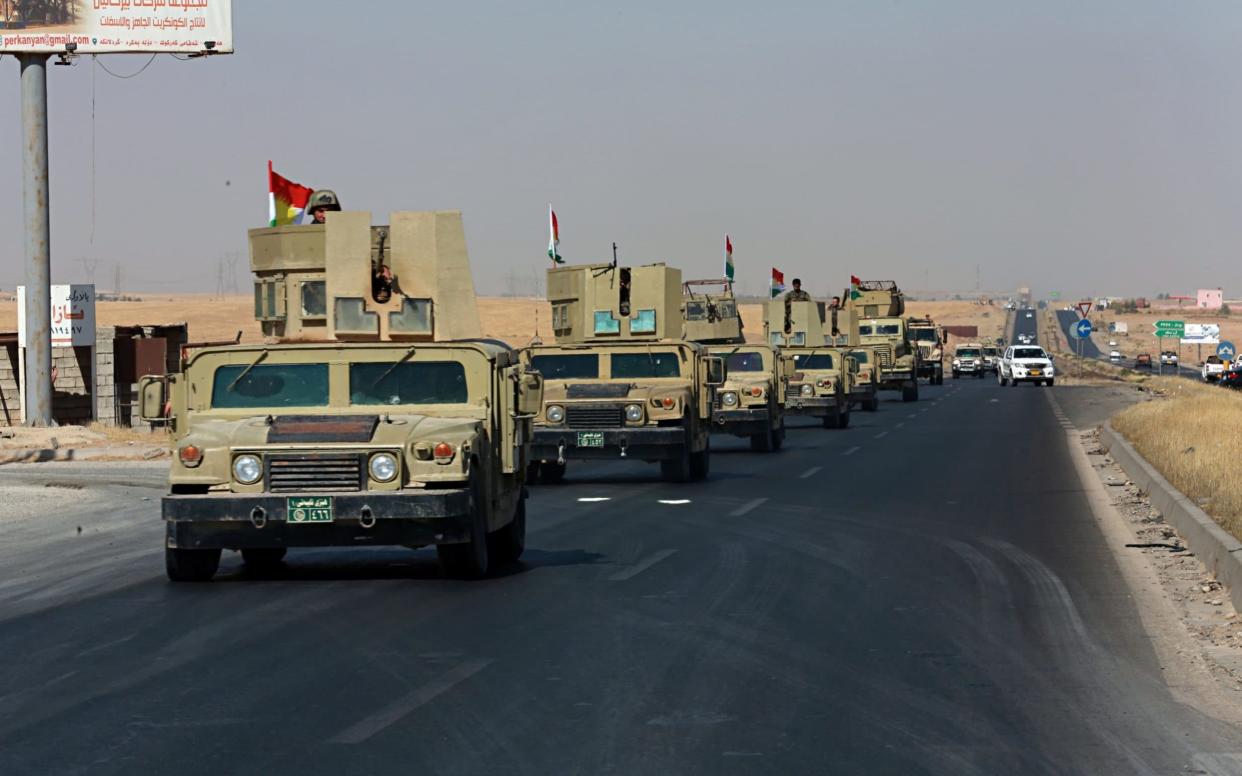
[(1226, 350), (1174, 325), (1054, 294), (1084, 309), (1083, 329)]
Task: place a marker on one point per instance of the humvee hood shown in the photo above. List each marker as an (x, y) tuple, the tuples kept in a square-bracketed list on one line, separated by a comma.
[(386, 430)]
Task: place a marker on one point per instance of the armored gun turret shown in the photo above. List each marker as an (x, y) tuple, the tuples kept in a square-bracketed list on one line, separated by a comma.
[(709, 311)]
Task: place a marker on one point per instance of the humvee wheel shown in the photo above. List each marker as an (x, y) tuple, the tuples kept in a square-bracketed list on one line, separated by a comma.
[(701, 463), (506, 544), (551, 472), (910, 392), (260, 558), (763, 443), (845, 418), (778, 436), (676, 469), (468, 560), (532, 473), (873, 402), (191, 565)]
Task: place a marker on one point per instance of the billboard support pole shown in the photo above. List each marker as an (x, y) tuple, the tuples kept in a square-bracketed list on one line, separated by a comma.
[(36, 209)]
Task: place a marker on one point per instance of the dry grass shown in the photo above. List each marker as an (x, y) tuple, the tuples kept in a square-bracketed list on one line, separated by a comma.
[(1191, 436), (115, 435)]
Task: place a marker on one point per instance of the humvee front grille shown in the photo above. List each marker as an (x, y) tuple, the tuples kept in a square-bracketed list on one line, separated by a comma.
[(597, 416), (886, 356), (793, 391), (288, 473)]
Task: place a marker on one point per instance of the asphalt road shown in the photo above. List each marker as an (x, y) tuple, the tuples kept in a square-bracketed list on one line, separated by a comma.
[(923, 592)]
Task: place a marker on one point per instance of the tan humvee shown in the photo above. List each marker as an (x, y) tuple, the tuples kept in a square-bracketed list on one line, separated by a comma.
[(930, 340), (356, 423), (751, 403), (820, 376), (620, 382), (875, 310)]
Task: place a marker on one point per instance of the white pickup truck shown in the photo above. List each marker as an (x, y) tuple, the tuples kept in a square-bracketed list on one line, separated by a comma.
[(1025, 364), (1213, 368)]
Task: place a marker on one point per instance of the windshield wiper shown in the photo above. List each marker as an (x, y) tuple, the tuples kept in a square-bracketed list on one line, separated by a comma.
[(246, 371), (395, 364)]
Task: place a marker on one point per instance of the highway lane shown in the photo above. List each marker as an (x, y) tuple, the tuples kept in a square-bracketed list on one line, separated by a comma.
[(923, 592)]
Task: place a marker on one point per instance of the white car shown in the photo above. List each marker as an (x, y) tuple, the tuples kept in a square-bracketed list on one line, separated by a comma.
[(1114, 356), (1030, 315), (1025, 364)]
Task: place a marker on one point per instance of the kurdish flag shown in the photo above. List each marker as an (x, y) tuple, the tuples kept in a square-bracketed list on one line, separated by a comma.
[(728, 259), (855, 291), (777, 286), (285, 199), (554, 237)]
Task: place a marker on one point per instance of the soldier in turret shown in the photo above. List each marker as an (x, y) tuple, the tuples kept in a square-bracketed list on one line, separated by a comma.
[(320, 203), (797, 294)]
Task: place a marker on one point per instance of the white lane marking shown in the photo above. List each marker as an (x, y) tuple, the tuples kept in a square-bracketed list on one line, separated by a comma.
[(674, 501), (809, 473), (899, 425), (420, 696), (851, 451), (749, 505), (641, 566), (593, 499), (911, 417), (881, 435)]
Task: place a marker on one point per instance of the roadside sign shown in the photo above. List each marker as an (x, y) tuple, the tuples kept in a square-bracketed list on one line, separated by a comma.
[(1084, 309), (1083, 329), (1226, 350), (1201, 334), (1176, 325), (72, 316), (1054, 294)]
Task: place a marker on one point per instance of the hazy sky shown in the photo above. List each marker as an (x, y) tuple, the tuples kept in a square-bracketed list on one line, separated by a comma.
[(1077, 146)]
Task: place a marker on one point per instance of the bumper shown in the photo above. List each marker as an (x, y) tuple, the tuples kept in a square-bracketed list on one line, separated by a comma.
[(969, 369), (895, 378), (742, 422), (810, 406), (644, 443), (234, 521), (1027, 377)]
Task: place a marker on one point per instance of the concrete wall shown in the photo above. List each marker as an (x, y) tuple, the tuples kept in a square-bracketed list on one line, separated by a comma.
[(1209, 298)]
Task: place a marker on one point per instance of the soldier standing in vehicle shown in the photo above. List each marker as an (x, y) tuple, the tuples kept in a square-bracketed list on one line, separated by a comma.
[(320, 203), (797, 294)]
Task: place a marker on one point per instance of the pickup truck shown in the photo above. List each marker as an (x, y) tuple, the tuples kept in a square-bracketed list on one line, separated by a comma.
[(1213, 368)]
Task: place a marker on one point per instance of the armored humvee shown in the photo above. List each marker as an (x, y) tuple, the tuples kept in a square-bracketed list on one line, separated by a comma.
[(620, 381), (371, 415), (930, 340), (820, 377), (876, 308), (751, 403)]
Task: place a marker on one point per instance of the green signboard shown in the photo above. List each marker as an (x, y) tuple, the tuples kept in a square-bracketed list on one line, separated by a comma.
[(1170, 325)]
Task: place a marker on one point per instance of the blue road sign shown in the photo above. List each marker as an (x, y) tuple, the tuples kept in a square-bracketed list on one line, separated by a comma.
[(1226, 350), (1083, 329)]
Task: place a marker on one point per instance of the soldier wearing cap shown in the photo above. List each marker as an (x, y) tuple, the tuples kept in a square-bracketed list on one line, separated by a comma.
[(797, 294), (320, 203)]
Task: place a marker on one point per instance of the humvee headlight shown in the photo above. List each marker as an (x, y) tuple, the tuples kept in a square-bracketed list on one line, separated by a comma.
[(246, 469), (633, 412), (383, 467), (808, 390), (728, 399), (556, 413)]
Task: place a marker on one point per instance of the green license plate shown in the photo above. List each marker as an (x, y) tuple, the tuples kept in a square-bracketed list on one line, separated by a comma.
[(590, 439), (309, 509)]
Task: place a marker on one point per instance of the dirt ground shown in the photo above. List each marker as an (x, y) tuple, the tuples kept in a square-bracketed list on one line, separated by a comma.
[(514, 320), (1140, 339)]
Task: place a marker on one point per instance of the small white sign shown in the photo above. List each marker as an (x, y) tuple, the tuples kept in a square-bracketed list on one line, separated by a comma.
[(73, 316)]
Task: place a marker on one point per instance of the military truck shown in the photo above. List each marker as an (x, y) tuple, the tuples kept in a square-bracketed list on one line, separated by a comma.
[(620, 381), (820, 377), (751, 403), (371, 414), (930, 340), (875, 309)]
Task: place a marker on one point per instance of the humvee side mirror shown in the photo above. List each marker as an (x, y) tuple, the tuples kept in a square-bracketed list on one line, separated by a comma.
[(152, 393), (529, 393), (716, 372), (852, 363)]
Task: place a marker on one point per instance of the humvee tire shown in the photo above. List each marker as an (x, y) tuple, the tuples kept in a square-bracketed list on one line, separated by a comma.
[(260, 558), (873, 403), (505, 545), (910, 392), (701, 463), (468, 560), (763, 443), (191, 565), (778, 436), (551, 472), (845, 418), (676, 469)]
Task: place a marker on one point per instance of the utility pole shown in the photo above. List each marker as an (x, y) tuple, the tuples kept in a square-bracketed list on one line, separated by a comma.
[(116, 280), (35, 208)]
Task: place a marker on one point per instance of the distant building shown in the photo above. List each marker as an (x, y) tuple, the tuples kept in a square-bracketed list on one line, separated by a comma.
[(1209, 298)]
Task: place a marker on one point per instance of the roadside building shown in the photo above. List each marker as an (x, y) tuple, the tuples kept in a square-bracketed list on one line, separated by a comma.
[(1209, 298)]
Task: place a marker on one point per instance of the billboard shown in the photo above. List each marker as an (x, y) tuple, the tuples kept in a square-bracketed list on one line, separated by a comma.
[(73, 315), (1201, 334), (116, 26)]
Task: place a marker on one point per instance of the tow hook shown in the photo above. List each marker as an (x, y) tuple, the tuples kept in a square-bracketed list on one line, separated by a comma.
[(258, 517), (366, 517), (560, 454), (624, 445)]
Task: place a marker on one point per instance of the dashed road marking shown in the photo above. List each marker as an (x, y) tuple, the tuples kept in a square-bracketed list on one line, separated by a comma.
[(899, 425), (911, 416), (851, 451), (881, 435), (594, 499), (749, 505), (641, 566), (674, 500), (369, 726), (809, 473)]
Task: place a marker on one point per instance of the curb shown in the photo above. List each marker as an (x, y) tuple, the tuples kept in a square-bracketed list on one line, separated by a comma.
[(41, 455), (1219, 551)]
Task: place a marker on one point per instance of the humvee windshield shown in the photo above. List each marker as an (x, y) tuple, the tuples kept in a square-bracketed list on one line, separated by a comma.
[(746, 362), (575, 366), (972, 352), (627, 365), (270, 385), (882, 329), (813, 361), (859, 355), (410, 382), (924, 335)]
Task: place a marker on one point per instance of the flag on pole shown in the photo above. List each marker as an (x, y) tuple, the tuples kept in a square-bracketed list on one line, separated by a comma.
[(554, 237), (855, 291), (285, 199), (728, 259), (777, 286)]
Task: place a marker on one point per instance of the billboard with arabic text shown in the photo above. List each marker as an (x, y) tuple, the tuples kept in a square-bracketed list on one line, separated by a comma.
[(116, 26), (73, 315)]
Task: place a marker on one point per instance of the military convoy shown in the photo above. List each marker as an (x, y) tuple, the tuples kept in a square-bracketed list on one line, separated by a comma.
[(821, 377), (875, 309), (369, 416), (930, 340)]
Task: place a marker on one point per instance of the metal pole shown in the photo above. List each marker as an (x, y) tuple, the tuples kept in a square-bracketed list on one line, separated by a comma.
[(35, 206)]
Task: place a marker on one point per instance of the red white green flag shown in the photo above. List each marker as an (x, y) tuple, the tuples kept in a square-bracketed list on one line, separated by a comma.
[(777, 286), (285, 199), (728, 258), (554, 237), (855, 291)]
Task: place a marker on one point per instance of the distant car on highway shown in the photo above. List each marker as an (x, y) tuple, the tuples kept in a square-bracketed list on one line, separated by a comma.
[(1169, 358), (991, 358), (968, 360), (1029, 314), (1212, 369), (1025, 364), (1142, 361), (1115, 356), (1112, 343)]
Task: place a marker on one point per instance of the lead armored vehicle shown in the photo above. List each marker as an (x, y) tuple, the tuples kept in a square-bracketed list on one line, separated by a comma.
[(370, 415), (621, 383)]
